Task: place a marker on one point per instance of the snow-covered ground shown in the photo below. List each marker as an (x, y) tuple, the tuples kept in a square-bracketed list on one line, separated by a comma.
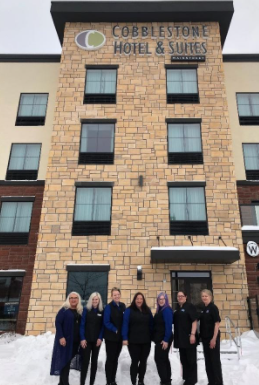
[(26, 361)]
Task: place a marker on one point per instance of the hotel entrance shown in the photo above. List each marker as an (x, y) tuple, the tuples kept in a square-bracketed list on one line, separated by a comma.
[(192, 283)]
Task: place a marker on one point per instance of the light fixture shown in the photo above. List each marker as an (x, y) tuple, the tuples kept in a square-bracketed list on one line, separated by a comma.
[(139, 273)]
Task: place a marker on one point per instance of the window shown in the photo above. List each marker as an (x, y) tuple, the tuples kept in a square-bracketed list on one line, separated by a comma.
[(10, 293), (15, 219), (184, 143), (100, 86), (97, 143), (86, 279), (24, 162), (251, 156), (187, 211), (32, 110), (182, 86), (248, 109), (92, 214)]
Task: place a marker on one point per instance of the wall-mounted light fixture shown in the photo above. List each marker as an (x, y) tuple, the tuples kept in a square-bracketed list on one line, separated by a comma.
[(139, 273)]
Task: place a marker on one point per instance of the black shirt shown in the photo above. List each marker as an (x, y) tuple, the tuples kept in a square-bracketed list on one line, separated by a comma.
[(183, 318), (77, 320), (209, 316)]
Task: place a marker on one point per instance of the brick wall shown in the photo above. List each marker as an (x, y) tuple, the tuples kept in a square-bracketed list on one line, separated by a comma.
[(23, 256)]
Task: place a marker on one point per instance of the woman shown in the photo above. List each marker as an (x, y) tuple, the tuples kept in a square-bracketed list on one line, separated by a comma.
[(136, 333), (163, 337), (185, 338), (210, 335), (67, 339), (113, 317), (91, 335)]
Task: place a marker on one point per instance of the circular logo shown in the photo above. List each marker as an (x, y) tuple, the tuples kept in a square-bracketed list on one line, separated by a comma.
[(90, 40), (252, 249)]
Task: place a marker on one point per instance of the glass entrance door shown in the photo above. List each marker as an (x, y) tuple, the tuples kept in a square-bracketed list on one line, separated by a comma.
[(191, 282)]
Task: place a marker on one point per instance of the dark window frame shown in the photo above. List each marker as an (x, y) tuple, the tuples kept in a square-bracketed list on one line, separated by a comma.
[(195, 227), (182, 98), (250, 174), (31, 121), (248, 120), (22, 174), (89, 228), (97, 157), (101, 98), (16, 238), (184, 157)]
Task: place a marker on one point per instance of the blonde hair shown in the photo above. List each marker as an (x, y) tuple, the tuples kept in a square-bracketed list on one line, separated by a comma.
[(79, 307), (89, 304), (208, 292)]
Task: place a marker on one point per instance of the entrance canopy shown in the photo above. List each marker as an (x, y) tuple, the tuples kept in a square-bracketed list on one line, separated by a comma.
[(195, 254)]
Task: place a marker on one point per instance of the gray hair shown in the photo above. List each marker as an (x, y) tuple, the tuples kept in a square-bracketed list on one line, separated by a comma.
[(208, 292), (79, 307), (89, 304)]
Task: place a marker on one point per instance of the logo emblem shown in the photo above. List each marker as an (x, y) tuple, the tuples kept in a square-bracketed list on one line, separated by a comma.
[(252, 249), (90, 40)]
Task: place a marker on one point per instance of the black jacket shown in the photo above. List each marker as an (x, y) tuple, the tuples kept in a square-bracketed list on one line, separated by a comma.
[(113, 317), (183, 319)]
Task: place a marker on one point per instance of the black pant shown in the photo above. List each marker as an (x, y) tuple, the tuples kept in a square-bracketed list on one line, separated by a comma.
[(188, 359), (139, 354), (64, 374), (113, 350), (212, 362), (93, 351), (163, 363)]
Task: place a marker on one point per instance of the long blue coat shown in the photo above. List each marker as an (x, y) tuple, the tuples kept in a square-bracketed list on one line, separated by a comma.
[(62, 354)]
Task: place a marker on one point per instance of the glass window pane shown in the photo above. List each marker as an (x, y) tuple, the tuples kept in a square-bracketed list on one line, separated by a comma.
[(97, 138), (15, 216), (177, 204), (101, 81), (10, 292), (251, 155), (33, 105), (182, 81), (87, 282), (93, 204), (196, 204), (23, 217), (191, 274), (184, 138), (24, 157), (7, 217)]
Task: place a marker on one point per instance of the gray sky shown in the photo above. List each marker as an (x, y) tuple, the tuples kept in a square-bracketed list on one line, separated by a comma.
[(26, 27)]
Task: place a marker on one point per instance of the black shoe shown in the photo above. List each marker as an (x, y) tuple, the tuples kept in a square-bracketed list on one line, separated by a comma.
[(141, 383)]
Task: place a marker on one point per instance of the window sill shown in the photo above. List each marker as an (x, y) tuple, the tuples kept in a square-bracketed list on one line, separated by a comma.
[(81, 228), (185, 158), (14, 238), (100, 99), (96, 158), (22, 175), (183, 98), (249, 120), (189, 228), (30, 121)]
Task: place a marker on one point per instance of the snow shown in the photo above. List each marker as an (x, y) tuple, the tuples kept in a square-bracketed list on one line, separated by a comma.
[(25, 360), (250, 228), (208, 248)]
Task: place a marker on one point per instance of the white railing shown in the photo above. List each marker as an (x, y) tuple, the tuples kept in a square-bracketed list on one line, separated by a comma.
[(237, 339)]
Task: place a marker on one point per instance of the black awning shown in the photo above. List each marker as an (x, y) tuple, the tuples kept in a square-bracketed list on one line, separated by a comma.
[(206, 254)]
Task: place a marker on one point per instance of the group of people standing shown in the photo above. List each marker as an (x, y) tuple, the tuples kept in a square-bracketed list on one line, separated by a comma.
[(135, 327)]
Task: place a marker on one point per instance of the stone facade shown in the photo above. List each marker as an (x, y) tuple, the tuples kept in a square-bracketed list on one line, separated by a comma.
[(139, 214)]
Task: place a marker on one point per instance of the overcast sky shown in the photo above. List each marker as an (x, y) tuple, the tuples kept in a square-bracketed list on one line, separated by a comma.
[(26, 27)]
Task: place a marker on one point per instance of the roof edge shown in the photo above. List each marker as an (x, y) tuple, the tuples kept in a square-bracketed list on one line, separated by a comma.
[(29, 58)]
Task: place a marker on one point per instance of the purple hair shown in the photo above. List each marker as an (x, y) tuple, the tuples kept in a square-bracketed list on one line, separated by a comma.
[(159, 308)]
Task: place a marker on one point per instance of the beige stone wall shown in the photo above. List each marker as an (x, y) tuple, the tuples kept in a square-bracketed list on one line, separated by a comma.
[(240, 77), (17, 78), (139, 215)]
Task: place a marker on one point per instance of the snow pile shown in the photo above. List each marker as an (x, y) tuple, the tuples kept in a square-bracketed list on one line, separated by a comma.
[(26, 361)]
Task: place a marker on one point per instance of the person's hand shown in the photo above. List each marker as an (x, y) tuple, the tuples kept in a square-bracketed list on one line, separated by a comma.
[(98, 343), (164, 345), (63, 341), (83, 343), (125, 343), (192, 339), (212, 343)]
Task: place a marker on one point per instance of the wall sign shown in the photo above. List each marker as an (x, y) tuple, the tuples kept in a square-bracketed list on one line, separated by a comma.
[(90, 40), (252, 249)]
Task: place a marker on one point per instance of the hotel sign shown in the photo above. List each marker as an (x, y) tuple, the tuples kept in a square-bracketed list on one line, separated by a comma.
[(183, 43)]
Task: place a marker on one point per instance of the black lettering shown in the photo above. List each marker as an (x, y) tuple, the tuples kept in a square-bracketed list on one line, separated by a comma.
[(178, 49), (170, 33), (177, 31), (141, 48), (117, 47), (125, 32), (113, 32), (135, 32), (147, 50), (161, 31), (144, 31), (127, 48), (197, 48), (204, 48), (205, 32), (153, 33), (171, 46), (191, 47), (195, 32), (186, 32), (186, 45), (134, 47)]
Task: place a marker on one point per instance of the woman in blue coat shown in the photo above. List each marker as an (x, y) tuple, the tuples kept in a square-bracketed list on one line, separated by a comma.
[(67, 339), (91, 335), (136, 334), (163, 338)]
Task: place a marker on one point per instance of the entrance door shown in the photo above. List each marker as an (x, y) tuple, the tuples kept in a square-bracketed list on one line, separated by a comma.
[(192, 283)]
